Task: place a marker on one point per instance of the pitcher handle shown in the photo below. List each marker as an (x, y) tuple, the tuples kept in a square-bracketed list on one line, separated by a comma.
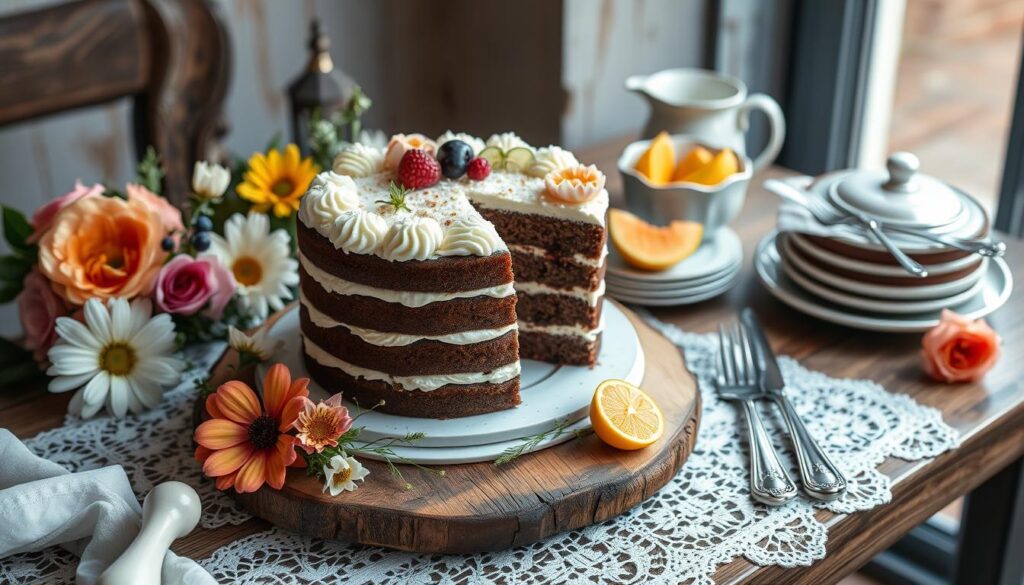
[(776, 123)]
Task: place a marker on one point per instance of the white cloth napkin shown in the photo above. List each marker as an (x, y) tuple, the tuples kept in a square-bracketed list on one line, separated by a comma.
[(93, 514)]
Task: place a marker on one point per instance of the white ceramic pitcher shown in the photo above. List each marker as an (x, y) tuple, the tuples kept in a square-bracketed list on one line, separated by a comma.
[(709, 107)]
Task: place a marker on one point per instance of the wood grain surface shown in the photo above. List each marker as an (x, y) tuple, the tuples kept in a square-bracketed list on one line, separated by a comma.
[(989, 414), (481, 507)]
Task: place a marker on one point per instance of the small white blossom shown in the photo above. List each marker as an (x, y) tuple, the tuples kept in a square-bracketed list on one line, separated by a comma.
[(341, 474), (210, 180), (257, 344)]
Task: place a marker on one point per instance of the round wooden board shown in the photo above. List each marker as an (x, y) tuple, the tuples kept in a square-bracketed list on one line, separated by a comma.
[(480, 507)]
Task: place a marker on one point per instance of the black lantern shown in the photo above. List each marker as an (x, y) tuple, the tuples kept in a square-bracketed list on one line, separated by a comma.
[(321, 91)]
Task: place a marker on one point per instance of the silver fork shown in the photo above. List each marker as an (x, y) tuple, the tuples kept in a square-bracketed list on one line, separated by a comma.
[(737, 381)]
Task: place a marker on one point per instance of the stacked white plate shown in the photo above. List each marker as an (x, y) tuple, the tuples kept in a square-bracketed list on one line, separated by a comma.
[(709, 272), (860, 293)]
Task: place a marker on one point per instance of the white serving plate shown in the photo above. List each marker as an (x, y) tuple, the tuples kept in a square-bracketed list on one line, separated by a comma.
[(679, 291), (684, 299), (723, 251), (857, 288), (671, 285), (549, 392), (477, 453), (869, 267), (998, 284), (875, 305)]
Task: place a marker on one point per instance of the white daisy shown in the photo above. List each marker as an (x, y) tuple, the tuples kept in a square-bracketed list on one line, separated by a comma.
[(120, 358), (257, 344), (260, 261), (341, 474)]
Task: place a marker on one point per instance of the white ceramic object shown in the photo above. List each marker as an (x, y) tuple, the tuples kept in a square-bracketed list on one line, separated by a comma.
[(875, 305), (677, 292), (684, 299), (709, 106), (673, 287), (549, 392), (872, 268), (712, 206), (858, 288), (998, 284), (171, 511), (714, 256), (476, 453)]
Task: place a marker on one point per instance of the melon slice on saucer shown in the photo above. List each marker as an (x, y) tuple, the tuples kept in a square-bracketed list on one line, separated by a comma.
[(649, 247)]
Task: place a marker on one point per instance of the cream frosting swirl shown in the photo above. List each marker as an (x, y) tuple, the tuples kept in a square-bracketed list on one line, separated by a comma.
[(328, 196), (412, 238), (506, 141), (550, 158), (470, 237), (359, 160), (358, 231), (472, 141)]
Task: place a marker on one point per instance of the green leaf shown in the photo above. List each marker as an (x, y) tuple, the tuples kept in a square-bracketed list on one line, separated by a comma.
[(150, 173), (19, 376), (13, 269), (275, 142), (17, 231), (9, 291)]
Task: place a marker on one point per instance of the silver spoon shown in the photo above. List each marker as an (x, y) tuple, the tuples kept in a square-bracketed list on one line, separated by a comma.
[(834, 217)]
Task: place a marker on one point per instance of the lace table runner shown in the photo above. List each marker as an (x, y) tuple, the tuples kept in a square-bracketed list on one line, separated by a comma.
[(702, 519)]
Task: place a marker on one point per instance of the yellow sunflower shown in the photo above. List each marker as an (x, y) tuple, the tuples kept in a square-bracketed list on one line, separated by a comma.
[(277, 181)]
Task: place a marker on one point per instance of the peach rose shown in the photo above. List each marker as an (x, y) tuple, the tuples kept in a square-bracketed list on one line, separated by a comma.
[(958, 349), (103, 247), (169, 214), (38, 309), (43, 216)]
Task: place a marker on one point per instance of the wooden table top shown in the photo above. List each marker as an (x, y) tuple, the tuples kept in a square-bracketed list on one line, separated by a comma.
[(989, 415)]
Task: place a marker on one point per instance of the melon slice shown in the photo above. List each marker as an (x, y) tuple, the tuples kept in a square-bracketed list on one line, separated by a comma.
[(649, 247), (693, 160), (721, 167), (658, 161)]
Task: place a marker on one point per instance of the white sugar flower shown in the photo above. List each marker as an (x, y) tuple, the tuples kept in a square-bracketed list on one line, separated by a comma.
[(210, 180), (341, 473), (257, 344), (475, 143), (506, 141), (121, 358), (259, 259)]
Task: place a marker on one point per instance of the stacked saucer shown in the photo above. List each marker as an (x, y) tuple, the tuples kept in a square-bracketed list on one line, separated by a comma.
[(709, 272), (824, 260)]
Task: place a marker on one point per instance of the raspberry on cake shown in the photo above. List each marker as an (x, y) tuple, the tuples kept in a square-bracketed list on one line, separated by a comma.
[(408, 295)]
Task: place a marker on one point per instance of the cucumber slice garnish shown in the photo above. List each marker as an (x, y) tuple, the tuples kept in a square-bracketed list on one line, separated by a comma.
[(493, 155), (518, 159)]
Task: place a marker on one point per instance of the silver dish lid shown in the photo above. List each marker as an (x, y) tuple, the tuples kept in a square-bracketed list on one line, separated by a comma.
[(900, 196)]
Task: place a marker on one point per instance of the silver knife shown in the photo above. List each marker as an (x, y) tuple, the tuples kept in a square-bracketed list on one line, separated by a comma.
[(820, 478)]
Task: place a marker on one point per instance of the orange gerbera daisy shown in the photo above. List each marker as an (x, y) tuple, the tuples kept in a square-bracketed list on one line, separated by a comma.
[(277, 182), (246, 444)]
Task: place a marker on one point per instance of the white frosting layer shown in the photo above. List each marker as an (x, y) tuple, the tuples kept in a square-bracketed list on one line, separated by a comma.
[(567, 330), (329, 195), (390, 339), (414, 299), (424, 383), (358, 160), (357, 231), (411, 237), (551, 158), (575, 258), (471, 237), (510, 191), (535, 288)]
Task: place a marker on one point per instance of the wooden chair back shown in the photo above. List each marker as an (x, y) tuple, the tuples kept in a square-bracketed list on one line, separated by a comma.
[(170, 57)]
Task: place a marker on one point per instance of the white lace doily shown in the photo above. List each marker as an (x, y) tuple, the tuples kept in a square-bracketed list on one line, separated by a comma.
[(702, 519)]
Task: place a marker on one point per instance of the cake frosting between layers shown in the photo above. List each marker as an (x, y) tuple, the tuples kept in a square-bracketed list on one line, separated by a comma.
[(408, 297)]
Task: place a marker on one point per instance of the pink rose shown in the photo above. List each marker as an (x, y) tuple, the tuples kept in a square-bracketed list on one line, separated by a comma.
[(959, 350), (170, 216), (186, 284), (38, 308), (43, 217)]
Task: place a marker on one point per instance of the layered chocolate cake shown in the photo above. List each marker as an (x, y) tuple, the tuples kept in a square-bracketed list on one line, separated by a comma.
[(430, 267)]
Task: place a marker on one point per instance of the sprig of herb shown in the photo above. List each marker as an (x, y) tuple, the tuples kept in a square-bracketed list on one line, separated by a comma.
[(149, 172), (383, 448), (396, 197), (529, 443)]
